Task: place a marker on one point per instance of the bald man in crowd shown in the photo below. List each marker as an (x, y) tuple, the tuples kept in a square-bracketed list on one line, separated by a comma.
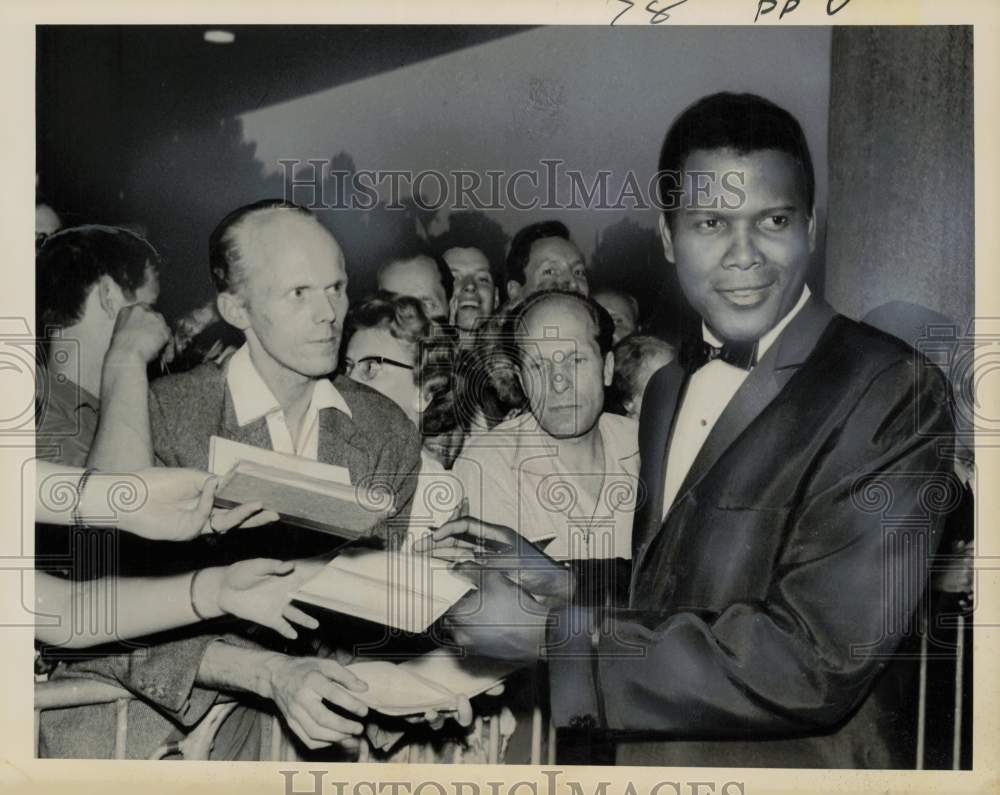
[(281, 280)]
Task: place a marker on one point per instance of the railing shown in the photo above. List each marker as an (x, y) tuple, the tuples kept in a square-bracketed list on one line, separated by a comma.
[(277, 744), (81, 693)]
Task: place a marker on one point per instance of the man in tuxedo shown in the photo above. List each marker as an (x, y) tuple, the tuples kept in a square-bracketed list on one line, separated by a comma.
[(794, 491)]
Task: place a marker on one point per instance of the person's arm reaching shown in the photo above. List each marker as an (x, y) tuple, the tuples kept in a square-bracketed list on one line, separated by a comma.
[(161, 504), (123, 441), (258, 590), (298, 686)]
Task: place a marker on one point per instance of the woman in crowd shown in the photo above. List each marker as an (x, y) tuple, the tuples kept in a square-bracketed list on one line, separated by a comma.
[(394, 348), (487, 387)]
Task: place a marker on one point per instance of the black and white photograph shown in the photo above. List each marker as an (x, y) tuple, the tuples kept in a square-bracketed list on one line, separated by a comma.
[(610, 395)]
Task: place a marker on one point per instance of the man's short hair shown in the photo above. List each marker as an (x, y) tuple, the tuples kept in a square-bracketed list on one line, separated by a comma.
[(744, 123), (71, 261), (520, 247), (447, 242), (224, 255), (631, 354), (604, 326), (444, 272), (401, 315), (625, 295)]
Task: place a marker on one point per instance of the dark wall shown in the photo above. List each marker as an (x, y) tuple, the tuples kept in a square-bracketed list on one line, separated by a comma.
[(142, 125), (155, 127), (901, 215)]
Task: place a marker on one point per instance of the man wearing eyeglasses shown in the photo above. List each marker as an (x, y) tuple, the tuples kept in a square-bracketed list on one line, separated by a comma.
[(281, 280)]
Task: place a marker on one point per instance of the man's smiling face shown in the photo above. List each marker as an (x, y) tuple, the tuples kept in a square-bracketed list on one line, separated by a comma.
[(742, 268), (475, 293)]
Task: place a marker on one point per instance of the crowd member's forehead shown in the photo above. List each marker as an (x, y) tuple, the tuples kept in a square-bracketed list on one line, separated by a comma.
[(284, 236), (418, 267), (619, 302), (467, 256), (554, 248), (555, 321)]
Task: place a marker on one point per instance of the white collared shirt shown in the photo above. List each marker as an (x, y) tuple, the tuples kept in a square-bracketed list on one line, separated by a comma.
[(514, 476), (437, 494), (708, 393), (253, 399)]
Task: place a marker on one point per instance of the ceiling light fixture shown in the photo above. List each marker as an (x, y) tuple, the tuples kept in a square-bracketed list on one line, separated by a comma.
[(219, 37)]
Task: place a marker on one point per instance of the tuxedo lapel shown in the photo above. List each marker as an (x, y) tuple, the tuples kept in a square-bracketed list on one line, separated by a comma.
[(659, 410), (762, 385)]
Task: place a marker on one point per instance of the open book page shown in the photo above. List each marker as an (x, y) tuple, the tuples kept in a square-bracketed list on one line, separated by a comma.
[(431, 681), (394, 588)]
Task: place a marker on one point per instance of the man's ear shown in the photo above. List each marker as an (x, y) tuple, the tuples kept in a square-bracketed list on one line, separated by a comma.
[(514, 290), (609, 368), (812, 231), (521, 380), (109, 296), (422, 400), (666, 238), (232, 309), (496, 298)]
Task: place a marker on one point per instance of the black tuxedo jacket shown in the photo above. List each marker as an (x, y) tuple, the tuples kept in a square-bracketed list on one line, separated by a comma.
[(767, 605)]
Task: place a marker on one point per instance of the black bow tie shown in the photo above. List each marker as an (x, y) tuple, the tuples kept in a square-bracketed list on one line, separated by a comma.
[(738, 354)]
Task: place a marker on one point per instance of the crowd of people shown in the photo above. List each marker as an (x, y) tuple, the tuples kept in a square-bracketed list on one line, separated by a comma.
[(694, 495)]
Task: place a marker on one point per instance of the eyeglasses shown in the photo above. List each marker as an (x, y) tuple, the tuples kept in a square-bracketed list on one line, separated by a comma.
[(369, 366)]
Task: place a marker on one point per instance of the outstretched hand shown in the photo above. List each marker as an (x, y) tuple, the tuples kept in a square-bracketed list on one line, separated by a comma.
[(178, 505), (301, 687), (260, 590), (498, 548)]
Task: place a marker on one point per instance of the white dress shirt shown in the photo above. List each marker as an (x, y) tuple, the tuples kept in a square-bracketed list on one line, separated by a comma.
[(253, 399), (708, 393), (514, 476)]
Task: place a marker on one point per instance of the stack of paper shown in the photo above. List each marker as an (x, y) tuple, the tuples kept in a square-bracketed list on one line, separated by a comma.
[(399, 589), (432, 681)]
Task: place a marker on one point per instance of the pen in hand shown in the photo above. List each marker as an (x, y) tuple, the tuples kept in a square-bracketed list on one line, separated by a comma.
[(461, 538)]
